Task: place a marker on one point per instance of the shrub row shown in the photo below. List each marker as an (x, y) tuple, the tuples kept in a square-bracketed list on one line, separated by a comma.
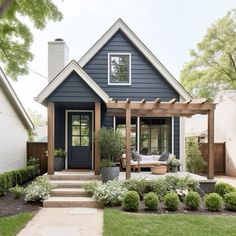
[(17, 177)]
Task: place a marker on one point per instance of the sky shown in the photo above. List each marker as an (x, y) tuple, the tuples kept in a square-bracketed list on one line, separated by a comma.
[(169, 28)]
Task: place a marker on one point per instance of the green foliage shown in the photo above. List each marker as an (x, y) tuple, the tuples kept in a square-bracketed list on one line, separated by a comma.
[(91, 186), (111, 145), (17, 191), (230, 201), (16, 37), (222, 188), (131, 201), (11, 178), (151, 201), (59, 152), (171, 201), (213, 202), (194, 160), (174, 162), (192, 200), (213, 64), (110, 193), (38, 190), (31, 135)]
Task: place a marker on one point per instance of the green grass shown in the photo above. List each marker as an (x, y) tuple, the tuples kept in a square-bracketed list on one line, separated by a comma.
[(11, 225), (118, 223)]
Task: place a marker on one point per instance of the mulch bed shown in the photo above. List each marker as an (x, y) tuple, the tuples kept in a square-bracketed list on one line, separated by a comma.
[(11, 206), (182, 209)]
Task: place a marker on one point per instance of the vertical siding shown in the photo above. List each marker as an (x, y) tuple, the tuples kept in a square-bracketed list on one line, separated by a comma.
[(176, 136), (13, 137)]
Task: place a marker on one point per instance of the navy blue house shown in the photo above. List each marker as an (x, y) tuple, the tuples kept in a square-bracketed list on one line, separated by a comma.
[(117, 67)]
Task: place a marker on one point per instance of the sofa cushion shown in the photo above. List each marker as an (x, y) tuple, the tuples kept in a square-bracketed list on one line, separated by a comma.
[(147, 157)]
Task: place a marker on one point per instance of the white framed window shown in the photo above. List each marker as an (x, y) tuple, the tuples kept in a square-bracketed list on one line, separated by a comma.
[(119, 68)]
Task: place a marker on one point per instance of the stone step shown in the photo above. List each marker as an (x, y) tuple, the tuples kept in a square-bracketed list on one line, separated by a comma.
[(69, 183), (74, 177), (71, 202), (69, 192)]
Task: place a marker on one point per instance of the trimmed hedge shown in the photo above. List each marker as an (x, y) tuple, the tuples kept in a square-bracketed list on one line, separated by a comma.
[(17, 177)]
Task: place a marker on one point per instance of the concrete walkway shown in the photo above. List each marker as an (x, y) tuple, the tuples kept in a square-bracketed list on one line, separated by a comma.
[(65, 222), (227, 179)]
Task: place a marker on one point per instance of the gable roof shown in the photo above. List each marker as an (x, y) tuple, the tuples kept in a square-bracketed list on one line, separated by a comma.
[(14, 100), (72, 66), (120, 25)]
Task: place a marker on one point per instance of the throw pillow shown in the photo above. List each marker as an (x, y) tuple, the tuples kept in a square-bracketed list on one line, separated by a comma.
[(164, 156)]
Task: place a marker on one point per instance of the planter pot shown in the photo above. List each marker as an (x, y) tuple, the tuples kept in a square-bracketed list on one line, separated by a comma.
[(110, 173), (59, 163), (174, 169)]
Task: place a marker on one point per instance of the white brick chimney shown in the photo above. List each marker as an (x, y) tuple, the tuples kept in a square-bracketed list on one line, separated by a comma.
[(58, 57)]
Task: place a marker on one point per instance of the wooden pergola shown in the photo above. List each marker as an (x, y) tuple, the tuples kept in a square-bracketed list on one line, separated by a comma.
[(160, 108)]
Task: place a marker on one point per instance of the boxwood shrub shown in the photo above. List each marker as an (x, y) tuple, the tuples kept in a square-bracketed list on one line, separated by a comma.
[(222, 188), (230, 201), (213, 202), (131, 201), (192, 200), (17, 177), (171, 201), (151, 201)]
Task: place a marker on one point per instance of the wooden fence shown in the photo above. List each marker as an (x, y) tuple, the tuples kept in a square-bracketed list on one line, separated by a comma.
[(219, 157), (38, 150)]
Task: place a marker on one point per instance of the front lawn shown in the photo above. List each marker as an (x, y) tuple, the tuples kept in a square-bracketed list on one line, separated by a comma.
[(118, 223), (11, 225)]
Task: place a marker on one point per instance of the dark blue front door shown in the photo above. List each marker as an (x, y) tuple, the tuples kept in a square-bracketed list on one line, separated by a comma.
[(80, 140)]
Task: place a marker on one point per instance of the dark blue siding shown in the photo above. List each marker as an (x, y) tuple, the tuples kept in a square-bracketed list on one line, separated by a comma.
[(146, 80), (73, 89), (176, 136)]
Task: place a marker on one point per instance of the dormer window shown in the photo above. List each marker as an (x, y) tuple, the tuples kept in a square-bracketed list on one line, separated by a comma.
[(119, 68)]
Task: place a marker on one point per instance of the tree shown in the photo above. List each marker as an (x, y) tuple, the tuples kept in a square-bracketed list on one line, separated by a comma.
[(213, 64), (16, 37), (37, 118)]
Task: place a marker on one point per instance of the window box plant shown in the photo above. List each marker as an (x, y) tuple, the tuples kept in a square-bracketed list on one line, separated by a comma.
[(59, 159), (111, 145), (174, 164)]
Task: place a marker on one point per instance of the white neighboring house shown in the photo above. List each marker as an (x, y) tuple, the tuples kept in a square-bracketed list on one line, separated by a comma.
[(14, 124), (225, 127)]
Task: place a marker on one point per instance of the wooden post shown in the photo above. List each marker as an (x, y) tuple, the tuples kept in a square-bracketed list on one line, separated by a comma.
[(128, 142), (51, 127), (210, 172), (97, 127)]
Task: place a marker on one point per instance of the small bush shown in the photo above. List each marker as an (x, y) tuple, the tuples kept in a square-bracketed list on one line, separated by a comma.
[(171, 201), (213, 202), (230, 201), (151, 201), (38, 190), (131, 201), (192, 200), (110, 193), (222, 188), (91, 187), (17, 191)]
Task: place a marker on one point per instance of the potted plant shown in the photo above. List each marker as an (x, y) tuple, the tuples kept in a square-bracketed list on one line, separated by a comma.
[(174, 164), (111, 145), (59, 159)]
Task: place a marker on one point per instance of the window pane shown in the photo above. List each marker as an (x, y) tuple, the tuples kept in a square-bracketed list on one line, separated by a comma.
[(115, 60), (124, 60), (75, 130), (124, 78), (75, 119), (84, 141), (84, 129), (75, 141)]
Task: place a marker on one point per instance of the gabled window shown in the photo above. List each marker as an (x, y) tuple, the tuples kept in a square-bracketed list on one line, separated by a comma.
[(119, 68)]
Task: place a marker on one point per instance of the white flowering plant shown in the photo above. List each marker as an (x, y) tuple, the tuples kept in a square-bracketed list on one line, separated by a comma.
[(182, 193), (38, 190), (110, 193)]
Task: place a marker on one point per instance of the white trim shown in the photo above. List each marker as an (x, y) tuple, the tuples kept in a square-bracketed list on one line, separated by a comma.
[(138, 134), (109, 66), (173, 135), (114, 123), (66, 134), (119, 24), (72, 66), (15, 100)]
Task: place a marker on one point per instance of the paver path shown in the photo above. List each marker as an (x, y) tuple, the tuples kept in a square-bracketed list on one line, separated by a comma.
[(226, 179), (65, 222)]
